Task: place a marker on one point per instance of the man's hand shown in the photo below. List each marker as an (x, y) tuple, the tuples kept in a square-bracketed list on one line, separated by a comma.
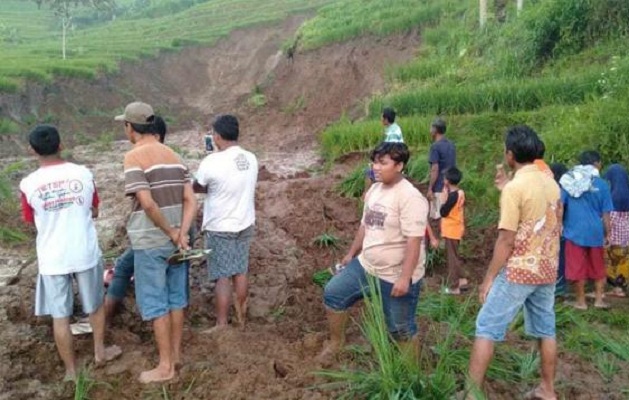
[(183, 242), (347, 259), (434, 243), (501, 178), (484, 289), (400, 288), (173, 235), (430, 195)]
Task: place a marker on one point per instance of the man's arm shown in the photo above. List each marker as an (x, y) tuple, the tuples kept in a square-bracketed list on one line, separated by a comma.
[(434, 174), (356, 247), (152, 210), (453, 198), (607, 224), (502, 251), (411, 257), (189, 215)]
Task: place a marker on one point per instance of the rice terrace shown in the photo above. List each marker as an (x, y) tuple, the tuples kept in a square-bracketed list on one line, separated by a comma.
[(311, 84)]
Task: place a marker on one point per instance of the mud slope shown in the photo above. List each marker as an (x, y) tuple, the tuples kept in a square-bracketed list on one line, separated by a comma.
[(273, 356), (191, 85)]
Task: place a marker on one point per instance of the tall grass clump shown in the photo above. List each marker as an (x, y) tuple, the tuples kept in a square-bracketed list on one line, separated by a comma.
[(508, 95), (553, 28), (389, 373)]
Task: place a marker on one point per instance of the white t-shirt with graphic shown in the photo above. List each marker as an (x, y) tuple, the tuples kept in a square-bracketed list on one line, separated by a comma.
[(392, 215), (230, 176), (60, 198)]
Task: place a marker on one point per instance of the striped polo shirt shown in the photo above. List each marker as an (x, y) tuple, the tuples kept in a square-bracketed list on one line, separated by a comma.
[(155, 167)]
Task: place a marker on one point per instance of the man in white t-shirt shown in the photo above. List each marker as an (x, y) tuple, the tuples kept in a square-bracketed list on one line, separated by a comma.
[(60, 198), (229, 178)]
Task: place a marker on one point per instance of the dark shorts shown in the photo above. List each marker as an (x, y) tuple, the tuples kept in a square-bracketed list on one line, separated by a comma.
[(583, 263), (230, 253)]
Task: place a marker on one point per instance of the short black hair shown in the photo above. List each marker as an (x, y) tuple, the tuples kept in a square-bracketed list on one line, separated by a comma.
[(144, 129), (558, 170), (541, 149), (453, 175), (159, 127), (389, 114), (589, 157), (397, 151), (522, 141), (227, 127), (439, 125), (45, 140)]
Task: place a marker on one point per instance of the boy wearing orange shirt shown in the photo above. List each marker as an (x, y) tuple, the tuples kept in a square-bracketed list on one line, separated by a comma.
[(452, 229)]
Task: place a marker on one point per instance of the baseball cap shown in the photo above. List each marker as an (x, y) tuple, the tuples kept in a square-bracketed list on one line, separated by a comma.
[(136, 113)]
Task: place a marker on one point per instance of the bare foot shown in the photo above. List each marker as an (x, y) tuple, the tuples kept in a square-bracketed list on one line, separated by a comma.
[(539, 394), (601, 305), (158, 374), (110, 353), (215, 329), (578, 306), (70, 376), (327, 357)]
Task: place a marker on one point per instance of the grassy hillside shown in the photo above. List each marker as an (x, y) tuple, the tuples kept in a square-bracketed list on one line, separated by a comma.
[(30, 39), (562, 67)]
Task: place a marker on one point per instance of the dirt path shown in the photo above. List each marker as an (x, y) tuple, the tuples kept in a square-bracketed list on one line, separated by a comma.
[(272, 358)]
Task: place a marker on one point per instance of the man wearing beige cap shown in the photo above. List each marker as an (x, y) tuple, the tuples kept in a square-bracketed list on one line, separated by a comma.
[(164, 206)]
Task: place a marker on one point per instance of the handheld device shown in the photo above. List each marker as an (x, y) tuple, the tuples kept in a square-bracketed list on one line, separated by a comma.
[(209, 144)]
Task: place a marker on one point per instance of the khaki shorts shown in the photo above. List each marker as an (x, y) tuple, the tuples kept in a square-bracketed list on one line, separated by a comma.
[(435, 207)]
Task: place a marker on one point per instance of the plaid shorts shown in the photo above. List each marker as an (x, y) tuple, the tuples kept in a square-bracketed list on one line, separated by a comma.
[(619, 235), (230, 253)]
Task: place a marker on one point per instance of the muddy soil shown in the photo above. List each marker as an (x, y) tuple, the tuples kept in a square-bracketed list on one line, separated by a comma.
[(273, 357)]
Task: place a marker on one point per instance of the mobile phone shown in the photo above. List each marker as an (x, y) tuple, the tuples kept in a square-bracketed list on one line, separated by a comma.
[(209, 144)]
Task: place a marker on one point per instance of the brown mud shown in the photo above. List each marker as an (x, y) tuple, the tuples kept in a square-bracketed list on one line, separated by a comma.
[(273, 357)]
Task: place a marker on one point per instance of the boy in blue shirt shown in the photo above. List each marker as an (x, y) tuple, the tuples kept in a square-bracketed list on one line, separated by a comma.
[(587, 204)]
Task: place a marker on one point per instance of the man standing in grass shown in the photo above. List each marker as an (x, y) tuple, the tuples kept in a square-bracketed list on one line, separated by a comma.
[(60, 198), (387, 247), (442, 156), (229, 178), (164, 207), (588, 203), (523, 269)]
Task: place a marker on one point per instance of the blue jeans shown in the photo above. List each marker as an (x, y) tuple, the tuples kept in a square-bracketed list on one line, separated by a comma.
[(123, 271), (159, 287), (351, 284), (504, 301)]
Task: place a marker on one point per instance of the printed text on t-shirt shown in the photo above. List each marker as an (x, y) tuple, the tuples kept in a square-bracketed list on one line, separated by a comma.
[(61, 194), (375, 217)]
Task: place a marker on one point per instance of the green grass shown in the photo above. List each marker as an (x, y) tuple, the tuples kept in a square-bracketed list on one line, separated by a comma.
[(347, 19), (100, 46), (84, 384)]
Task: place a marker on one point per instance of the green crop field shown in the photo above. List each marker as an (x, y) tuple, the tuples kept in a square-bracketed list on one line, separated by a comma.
[(30, 38)]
